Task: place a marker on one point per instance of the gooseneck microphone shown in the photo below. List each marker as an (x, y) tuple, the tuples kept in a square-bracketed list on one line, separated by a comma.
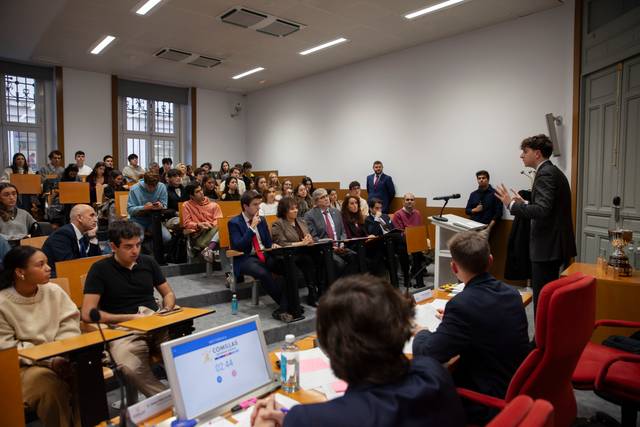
[(446, 200), (450, 196), (94, 315)]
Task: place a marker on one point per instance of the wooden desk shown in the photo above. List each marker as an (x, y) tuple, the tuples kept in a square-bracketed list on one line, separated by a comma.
[(27, 183), (527, 297), (155, 321), (616, 298), (85, 354)]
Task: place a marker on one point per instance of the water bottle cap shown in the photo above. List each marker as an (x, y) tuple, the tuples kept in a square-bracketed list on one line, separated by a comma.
[(290, 338), (234, 295)]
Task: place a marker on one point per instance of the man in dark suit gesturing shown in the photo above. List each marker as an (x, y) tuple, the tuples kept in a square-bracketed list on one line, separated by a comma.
[(552, 242), (380, 186), (75, 240)]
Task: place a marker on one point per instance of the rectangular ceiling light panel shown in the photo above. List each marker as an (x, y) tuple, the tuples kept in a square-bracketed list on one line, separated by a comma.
[(324, 46), (102, 44), (147, 6), (247, 73), (431, 9)]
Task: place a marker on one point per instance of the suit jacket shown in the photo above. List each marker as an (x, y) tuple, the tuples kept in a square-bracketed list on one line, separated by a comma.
[(385, 190), (552, 235), (173, 199), (284, 234), (424, 397), (62, 245), (371, 226), (486, 325), (317, 227), (241, 239)]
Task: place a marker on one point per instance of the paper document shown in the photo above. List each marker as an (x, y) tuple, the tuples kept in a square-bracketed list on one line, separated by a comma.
[(426, 318), (244, 418)]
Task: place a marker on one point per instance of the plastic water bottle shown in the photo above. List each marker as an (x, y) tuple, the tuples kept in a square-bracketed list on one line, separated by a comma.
[(289, 365), (234, 304)]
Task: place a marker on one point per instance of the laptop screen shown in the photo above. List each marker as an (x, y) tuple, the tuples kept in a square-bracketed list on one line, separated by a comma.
[(216, 367)]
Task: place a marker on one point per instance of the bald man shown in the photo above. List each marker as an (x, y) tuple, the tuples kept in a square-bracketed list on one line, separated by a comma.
[(409, 216), (75, 240)]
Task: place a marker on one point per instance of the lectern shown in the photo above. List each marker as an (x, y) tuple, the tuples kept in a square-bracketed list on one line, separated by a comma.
[(444, 231)]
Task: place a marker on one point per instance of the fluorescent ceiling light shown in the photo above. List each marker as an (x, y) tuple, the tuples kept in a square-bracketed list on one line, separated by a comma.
[(147, 6), (432, 9), (246, 73), (106, 41), (323, 46)]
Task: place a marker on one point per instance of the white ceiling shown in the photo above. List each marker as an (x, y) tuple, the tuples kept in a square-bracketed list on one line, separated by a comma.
[(61, 32)]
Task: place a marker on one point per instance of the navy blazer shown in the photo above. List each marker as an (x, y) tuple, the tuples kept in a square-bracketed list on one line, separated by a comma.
[(426, 396), (487, 326), (385, 190), (373, 227), (62, 245), (241, 239)]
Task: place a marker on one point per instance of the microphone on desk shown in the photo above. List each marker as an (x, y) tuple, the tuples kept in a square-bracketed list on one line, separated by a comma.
[(450, 196), (94, 315)]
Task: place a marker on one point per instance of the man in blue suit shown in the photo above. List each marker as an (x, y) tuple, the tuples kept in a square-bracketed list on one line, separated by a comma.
[(485, 324), (380, 186), (249, 234), (74, 240)]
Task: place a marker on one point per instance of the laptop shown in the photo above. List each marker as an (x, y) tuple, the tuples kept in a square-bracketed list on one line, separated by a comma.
[(211, 371)]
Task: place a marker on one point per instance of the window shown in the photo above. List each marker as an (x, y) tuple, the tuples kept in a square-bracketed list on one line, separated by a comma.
[(150, 130), (22, 122)]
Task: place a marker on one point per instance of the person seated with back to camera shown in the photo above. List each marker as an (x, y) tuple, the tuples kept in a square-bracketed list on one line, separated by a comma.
[(35, 311), (485, 325), (362, 325)]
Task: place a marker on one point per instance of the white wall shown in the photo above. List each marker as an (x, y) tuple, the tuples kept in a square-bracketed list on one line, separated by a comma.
[(87, 114), (220, 136), (434, 114)]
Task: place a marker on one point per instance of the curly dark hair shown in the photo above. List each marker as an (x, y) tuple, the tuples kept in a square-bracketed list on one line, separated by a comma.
[(347, 215), (538, 142), (363, 324)]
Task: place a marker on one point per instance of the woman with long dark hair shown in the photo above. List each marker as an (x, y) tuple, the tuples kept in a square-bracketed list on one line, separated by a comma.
[(209, 187), (230, 191), (15, 223), (223, 173), (18, 165), (96, 177), (34, 311)]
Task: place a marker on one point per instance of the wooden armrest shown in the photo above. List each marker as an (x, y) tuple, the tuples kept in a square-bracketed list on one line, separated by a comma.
[(233, 253)]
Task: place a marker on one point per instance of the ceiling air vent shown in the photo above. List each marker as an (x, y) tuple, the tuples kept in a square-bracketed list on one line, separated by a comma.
[(172, 54), (242, 17), (204, 62), (279, 28)]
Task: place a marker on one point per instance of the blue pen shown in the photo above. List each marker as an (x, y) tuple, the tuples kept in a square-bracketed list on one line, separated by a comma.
[(284, 410)]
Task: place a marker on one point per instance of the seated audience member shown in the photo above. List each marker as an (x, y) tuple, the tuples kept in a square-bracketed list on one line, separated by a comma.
[(199, 175), (108, 162), (154, 168), (230, 191), (115, 182), (273, 181), (200, 217), (333, 199), (4, 248), (409, 216), (261, 184), (96, 178), (325, 222), (175, 190), (249, 233), (18, 165), (207, 167), (121, 287), (209, 187), (352, 218), (483, 205), (35, 311), (287, 188), (269, 205), (379, 224), (289, 230), (186, 180), (54, 167), (308, 183), (71, 173), (247, 176), (148, 195), (235, 172), (362, 325), (133, 172), (190, 174), (167, 162), (15, 223), (354, 190), (74, 240), (83, 169), (485, 325), (223, 173), (302, 199)]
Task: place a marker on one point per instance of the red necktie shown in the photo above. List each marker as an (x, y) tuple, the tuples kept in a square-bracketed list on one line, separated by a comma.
[(327, 223), (256, 245)]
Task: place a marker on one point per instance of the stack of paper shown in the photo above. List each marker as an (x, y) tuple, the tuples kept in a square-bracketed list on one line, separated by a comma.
[(426, 318), (244, 418)]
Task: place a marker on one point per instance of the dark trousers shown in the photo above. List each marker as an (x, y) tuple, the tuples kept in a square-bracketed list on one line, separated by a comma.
[(541, 274), (262, 271), (417, 259)]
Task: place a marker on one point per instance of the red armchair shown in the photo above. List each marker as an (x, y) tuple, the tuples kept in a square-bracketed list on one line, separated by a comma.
[(613, 374), (564, 323), (524, 412)]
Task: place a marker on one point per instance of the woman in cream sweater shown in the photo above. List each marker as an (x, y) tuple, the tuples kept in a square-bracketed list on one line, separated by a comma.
[(34, 311)]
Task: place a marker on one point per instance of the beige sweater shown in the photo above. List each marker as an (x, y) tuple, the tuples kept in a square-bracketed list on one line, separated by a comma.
[(47, 316)]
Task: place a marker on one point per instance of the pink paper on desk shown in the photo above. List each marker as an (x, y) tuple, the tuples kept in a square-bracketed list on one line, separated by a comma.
[(312, 365), (339, 386)]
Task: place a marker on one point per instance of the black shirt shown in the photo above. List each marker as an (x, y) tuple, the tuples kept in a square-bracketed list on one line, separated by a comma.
[(122, 290)]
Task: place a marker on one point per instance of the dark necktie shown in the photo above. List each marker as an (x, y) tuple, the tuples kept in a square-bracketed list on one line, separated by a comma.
[(84, 245), (328, 226)]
